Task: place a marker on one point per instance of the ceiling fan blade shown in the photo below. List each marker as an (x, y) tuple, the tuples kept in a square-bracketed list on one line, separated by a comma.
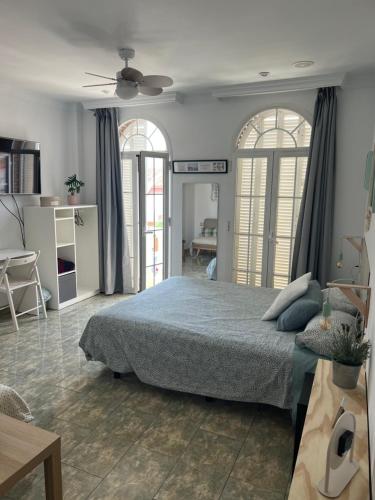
[(101, 76), (100, 84), (143, 89), (157, 81), (131, 74)]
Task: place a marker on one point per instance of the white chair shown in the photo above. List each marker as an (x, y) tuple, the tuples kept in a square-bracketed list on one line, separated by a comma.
[(18, 274)]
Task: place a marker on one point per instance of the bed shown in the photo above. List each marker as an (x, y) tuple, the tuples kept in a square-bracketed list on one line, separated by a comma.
[(197, 336)]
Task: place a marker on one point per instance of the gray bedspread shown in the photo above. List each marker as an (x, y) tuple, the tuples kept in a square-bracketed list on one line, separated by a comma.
[(197, 336)]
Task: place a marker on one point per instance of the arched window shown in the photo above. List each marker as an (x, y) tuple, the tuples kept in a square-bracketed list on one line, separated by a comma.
[(141, 135), (275, 128), (272, 151)]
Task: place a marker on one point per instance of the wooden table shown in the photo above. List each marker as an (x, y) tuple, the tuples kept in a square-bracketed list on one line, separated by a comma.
[(324, 402), (22, 448)]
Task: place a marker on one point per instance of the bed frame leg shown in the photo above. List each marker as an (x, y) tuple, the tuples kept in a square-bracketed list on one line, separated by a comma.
[(116, 375)]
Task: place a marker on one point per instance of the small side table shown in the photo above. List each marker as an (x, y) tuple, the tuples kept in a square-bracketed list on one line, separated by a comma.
[(22, 448)]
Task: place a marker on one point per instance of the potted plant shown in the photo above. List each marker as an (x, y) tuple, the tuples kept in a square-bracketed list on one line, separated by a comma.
[(349, 352), (74, 187)]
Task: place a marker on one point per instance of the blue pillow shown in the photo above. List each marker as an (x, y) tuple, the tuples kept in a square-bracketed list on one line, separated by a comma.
[(299, 313)]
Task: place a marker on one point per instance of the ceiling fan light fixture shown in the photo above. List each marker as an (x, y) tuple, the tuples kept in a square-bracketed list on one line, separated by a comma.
[(131, 74), (152, 91), (126, 89)]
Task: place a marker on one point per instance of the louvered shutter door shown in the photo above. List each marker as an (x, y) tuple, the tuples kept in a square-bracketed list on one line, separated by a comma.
[(130, 201), (250, 220), (291, 177)]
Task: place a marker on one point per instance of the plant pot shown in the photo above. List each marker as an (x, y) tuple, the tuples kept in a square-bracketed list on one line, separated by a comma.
[(73, 199), (345, 376)]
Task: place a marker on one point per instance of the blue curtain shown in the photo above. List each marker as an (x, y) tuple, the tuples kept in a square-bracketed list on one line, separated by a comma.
[(313, 243), (110, 202)]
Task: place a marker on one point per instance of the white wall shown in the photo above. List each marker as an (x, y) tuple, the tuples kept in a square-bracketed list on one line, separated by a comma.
[(370, 375), (370, 240), (56, 126), (203, 127), (356, 118)]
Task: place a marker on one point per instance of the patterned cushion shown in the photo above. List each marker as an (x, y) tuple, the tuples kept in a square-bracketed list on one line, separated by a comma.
[(339, 301), (296, 316), (289, 294), (318, 340), (209, 232), (13, 405)]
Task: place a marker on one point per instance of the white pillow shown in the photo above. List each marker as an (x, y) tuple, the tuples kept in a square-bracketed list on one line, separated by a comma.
[(289, 294)]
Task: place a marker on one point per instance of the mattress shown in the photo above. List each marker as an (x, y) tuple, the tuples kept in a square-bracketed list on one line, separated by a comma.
[(197, 336)]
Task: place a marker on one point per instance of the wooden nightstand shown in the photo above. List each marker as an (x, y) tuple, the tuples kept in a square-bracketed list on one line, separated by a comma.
[(22, 448)]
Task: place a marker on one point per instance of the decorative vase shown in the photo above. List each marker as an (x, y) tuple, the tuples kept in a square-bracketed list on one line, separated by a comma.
[(73, 199), (345, 376)]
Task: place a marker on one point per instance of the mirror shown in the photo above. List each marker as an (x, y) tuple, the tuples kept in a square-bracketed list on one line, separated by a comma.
[(200, 230)]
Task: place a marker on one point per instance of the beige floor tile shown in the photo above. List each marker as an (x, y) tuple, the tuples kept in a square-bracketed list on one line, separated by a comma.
[(187, 482), (265, 459), (230, 420), (207, 448), (137, 476), (169, 435), (239, 490)]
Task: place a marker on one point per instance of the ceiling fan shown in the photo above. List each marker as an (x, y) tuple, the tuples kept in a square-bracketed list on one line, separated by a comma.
[(129, 81)]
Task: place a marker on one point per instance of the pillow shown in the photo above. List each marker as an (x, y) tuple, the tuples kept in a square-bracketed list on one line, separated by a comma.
[(289, 294), (320, 341), (296, 316), (339, 301)]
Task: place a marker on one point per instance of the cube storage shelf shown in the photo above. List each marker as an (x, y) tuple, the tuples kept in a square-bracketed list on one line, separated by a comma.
[(53, 231)]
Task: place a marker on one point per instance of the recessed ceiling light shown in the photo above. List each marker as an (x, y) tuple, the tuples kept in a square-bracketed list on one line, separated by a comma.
[(264, 73), (303, 64)]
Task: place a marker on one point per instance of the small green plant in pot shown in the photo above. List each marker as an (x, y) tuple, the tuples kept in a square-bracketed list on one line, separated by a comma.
[(349, 352), (74, 187)]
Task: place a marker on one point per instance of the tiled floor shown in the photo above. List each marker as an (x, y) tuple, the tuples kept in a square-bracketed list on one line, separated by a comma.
[(122, 439)]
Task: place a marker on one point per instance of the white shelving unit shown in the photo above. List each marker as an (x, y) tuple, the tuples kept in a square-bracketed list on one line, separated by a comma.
[(52, 230)]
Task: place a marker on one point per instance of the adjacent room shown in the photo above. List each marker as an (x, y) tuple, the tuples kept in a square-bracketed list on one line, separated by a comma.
[(187, 250)]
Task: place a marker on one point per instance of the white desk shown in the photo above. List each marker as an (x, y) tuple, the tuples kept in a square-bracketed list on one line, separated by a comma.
[(14, 253)]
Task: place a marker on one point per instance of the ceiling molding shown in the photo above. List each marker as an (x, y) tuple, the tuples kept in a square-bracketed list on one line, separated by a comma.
[(116, 102), (275, 86)]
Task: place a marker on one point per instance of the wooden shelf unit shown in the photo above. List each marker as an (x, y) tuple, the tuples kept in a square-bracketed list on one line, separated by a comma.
[(324, 402), (53, 231)]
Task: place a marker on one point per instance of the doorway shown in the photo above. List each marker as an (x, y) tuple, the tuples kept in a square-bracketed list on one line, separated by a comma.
[(200, 230), (145, 186)]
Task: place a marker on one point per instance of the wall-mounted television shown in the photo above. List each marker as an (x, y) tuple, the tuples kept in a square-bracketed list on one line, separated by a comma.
[(19, 166)]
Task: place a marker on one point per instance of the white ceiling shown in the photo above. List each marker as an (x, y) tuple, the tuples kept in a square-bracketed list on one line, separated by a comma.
[(46, 45)]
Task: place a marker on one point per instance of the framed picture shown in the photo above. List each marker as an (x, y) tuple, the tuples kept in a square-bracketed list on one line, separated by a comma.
[(200, 167)]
